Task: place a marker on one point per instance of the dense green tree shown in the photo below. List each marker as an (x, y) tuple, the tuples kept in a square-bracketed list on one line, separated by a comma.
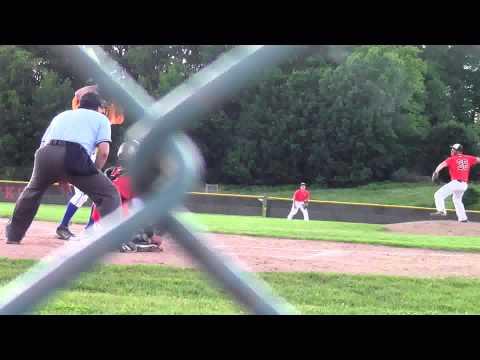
[(455, 70), (30, 96), (337, 125), (336, 115)]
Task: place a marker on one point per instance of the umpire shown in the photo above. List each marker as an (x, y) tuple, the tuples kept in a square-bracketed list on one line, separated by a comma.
[(64, 156)]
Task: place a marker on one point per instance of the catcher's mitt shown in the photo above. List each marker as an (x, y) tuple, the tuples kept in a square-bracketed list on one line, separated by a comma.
[(113, 111), (110, 173), (114, 172)]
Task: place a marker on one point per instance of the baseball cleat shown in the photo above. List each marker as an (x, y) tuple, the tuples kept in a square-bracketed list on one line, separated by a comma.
[(438, 213), (10, 236), (63, 233), (463, 221), (11, 242)]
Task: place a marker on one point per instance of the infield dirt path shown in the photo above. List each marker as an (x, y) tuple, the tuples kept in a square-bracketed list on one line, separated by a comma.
[(270, 254)]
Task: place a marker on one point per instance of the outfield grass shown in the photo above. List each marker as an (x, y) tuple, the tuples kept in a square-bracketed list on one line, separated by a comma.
[(48, 212), (386, 193), (297, 229), (147, 289), (329, 230)]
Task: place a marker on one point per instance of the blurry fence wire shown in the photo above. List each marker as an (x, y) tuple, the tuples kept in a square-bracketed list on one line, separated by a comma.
[(159, 125)]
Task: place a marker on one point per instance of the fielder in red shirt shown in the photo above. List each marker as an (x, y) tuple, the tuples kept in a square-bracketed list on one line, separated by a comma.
[(300, 200), (459, 166)]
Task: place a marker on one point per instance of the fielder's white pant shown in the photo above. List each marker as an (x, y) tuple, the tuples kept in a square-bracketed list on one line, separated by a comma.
[(295, 207), (456, 189)]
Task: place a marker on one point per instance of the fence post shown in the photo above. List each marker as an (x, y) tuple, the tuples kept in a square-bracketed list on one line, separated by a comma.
[(264, 201)]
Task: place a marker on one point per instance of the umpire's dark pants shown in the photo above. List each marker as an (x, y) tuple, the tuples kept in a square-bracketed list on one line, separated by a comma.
[(49, 168)]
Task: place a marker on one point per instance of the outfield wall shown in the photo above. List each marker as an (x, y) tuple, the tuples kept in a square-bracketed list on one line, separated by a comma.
[(318, 210), (227, 204), (10, 191)]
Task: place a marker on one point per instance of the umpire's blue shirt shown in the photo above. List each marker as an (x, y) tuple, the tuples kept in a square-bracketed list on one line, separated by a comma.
[(83, 126)]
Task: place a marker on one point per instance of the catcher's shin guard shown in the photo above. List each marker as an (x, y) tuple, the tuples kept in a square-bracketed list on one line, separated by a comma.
[(146, 248), (142, 242), (130, 246)]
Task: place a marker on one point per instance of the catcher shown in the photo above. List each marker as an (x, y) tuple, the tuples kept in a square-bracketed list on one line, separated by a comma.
[(149, 240), (300, 200)]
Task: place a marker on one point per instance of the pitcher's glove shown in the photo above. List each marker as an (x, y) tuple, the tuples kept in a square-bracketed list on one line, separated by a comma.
[(435, 178), (305, 205)]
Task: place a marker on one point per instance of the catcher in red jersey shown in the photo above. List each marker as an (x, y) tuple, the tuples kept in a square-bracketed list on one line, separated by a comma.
[(149, 239), (459, 166)]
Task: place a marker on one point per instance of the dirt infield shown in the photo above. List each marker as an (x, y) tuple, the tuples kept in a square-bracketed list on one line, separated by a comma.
[(440, 228), (270, 254)]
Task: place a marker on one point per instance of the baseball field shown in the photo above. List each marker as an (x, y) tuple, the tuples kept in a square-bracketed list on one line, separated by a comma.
[(320, 267)]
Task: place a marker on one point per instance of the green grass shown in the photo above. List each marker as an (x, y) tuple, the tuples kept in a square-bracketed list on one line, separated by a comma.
[(148, 289), (329, 230), (48, 212), (297, 229), (386, 193)]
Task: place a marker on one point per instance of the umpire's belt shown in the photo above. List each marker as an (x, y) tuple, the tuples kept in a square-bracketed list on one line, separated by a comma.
[(58, 142)]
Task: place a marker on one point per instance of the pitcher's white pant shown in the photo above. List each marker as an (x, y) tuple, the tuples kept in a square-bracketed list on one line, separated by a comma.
[(79, 198), (295, 206), (456, 189)]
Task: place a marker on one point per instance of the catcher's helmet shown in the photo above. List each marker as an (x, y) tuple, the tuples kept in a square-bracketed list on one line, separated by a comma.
[(127, 150)]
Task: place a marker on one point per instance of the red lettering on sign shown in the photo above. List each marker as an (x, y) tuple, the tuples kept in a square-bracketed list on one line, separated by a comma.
[(11, 192)]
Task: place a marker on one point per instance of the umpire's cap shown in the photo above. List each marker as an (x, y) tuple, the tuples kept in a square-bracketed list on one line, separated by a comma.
[(90, 101), (457, 147)]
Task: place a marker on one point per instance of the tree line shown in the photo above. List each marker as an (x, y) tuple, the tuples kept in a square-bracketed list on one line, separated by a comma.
[(335, 116)]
